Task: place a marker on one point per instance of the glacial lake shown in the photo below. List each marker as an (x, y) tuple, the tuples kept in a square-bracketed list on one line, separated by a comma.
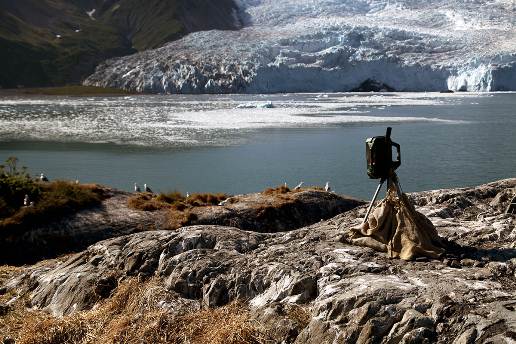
[(245, 143)]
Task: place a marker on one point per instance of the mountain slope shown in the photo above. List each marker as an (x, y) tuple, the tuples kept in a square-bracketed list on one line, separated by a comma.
[(335, 45), (45, 42)]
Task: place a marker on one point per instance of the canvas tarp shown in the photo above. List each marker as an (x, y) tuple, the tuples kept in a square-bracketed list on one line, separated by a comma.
[(395, 227)]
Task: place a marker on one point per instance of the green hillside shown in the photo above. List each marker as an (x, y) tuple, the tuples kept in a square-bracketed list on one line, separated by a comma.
[(56, 42)]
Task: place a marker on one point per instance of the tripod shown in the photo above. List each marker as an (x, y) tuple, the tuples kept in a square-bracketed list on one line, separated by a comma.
[(392, 179)]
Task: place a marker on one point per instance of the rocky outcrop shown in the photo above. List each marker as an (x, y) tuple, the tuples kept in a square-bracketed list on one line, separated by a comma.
[(76, 232), (275, 212), (352, 294), (371, 85), (258, 212)]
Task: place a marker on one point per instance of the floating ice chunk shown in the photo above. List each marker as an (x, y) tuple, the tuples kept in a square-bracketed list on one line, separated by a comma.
[(267, 105)]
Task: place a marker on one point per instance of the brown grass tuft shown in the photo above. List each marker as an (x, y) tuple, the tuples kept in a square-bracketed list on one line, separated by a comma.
[(177, 219), (174, 200), (133, 315), (277, 190), (205, 199), (51, 201), (299, 314), (146, 202), (180, 207)]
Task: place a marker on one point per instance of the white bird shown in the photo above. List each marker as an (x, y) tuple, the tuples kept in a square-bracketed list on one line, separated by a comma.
[(285, 185), (187, 194), (137, 188), (26, 201), (298, 186), (224, 202), (31, 204), (146, 188), (43, 178), (327, 187), (77, 181)]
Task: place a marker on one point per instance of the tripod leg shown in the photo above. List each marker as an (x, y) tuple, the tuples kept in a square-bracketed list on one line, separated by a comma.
[(395, 181), (374, 199)]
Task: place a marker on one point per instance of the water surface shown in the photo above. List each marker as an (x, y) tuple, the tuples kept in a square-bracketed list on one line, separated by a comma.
[(237, 144)]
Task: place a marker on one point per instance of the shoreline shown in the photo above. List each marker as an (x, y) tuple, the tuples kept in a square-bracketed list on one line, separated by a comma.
[(93, 91), (73, 90)]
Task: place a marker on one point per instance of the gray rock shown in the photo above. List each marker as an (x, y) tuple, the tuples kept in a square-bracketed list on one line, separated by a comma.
[(351, 294), (467, 337)]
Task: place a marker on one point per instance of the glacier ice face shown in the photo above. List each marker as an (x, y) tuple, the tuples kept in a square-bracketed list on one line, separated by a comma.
[(334, 45)]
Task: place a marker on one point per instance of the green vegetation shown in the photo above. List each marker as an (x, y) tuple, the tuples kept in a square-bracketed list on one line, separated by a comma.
[(56, 42), (45, 200)]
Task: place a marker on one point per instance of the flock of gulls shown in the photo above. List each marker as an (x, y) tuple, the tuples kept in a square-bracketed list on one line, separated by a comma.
[(146, 188), (28, 203)]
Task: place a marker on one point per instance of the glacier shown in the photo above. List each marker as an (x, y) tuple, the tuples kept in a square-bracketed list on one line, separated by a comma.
[(333, 46)]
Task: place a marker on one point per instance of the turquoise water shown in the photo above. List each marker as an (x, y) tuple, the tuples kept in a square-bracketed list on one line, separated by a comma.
[(235, 144)]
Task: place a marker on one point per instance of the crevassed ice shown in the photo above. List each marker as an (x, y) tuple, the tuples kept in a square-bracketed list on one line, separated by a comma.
[(334, 45)]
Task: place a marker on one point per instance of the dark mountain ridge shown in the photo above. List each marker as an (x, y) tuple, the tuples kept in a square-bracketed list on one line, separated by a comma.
[(56, 42)]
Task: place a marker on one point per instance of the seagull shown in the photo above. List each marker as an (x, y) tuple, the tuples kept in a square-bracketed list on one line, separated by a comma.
[(26, 201), (224, 202), (187, 194), (137, 188), (43, 178), (327, 187), (299, 186), (285, 185), (77, 181), (146, 188)]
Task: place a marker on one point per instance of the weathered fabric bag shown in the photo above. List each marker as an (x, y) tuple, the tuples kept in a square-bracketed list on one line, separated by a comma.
[(395, 227)]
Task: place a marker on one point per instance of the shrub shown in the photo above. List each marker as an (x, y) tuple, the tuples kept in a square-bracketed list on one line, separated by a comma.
[(51, 200)]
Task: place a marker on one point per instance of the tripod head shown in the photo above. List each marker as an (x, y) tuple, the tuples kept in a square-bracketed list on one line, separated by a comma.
[(379, 156)]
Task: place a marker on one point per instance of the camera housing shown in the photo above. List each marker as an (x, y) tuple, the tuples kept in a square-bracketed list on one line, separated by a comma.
[(379, 156)]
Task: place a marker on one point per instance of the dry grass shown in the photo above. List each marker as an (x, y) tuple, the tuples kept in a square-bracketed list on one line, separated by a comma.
[(179, 206), (173, 200), (205, 199), (277, 190), (180, 218), (299, 314), (51, 201), (133, 315), (146, 202)]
